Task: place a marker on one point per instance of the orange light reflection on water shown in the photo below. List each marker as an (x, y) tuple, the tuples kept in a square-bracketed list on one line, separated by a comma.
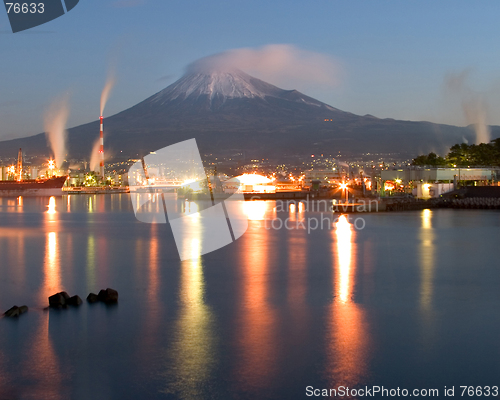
[(256, 330), (343, 232), (348, 348), (52, 259), (255, 210), (52, 267), (149, 277), (43, 360)]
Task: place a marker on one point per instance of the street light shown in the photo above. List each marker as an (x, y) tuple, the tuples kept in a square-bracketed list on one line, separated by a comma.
[(343, 186)]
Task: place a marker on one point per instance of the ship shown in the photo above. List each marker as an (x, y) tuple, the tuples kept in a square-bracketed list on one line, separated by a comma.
[(33, 187), (51, 186)]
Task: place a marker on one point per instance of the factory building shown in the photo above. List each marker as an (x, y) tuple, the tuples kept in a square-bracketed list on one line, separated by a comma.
[(326, 177), (432, 182)]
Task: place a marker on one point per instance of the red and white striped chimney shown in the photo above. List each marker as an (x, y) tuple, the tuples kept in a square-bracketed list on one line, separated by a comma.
[(101, 151)]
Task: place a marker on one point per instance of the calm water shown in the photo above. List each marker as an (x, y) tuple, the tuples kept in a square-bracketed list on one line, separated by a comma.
[(410, 301)]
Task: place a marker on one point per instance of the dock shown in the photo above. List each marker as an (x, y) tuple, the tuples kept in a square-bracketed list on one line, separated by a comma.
[(95, 190)]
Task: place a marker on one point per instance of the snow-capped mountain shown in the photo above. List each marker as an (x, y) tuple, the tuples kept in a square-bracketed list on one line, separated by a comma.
[(218, 86), (229, 110)]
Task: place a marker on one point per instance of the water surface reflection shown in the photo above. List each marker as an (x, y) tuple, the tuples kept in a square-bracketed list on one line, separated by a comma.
[(42, 366), (256, 330), (193, 349), (348, 350), (427, 257)]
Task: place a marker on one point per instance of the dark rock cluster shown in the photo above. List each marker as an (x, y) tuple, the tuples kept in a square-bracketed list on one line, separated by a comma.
[(15, 311), (63, 300), (108, 296)]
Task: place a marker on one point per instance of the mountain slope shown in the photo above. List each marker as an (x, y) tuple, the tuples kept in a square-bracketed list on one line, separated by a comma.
[(230, 110)]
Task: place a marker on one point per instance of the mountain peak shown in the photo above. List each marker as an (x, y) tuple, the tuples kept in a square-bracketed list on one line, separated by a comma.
[(219, 84), (225, 84)]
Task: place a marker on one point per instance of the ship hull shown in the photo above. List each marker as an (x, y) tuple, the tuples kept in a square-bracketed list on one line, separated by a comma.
[(45, 187)]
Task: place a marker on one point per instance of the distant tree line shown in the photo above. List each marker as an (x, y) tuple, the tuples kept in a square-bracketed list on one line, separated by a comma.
[(464, 155)]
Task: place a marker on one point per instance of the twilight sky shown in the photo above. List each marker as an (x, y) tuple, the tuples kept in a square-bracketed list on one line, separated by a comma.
[(386, 58)]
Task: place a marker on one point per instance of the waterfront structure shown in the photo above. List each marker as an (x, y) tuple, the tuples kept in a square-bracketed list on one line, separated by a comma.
[(325, 177), (249, 183), (408, 175), (432, 182), (431, 190)]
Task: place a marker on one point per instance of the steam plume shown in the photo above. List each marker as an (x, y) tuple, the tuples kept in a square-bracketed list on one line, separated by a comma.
[(94, 156), (474, 105), (106, 91), (280, 64), (55, 128)]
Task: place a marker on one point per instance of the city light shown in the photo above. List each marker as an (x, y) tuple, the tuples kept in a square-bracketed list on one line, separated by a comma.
[(343, 186)]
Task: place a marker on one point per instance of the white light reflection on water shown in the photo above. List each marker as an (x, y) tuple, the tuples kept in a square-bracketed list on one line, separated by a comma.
[(91, 204), (427, 258), (51, 208), (193, 347), (91, 263)]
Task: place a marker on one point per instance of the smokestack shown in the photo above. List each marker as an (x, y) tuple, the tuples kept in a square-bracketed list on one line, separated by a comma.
[(20, 166), (101, 151)]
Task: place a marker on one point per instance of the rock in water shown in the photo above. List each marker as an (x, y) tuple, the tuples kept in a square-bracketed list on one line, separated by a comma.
[(65, 295), (74, 301), (102, 295), (57, 300), (108, 296), (15, 311), (112, 296), (12, 312), (92, 298)]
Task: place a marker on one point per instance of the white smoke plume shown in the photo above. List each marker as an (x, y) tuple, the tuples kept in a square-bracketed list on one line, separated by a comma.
[(55, 128), (280, 64), (95, 158), (106, 91), (474, 105)]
